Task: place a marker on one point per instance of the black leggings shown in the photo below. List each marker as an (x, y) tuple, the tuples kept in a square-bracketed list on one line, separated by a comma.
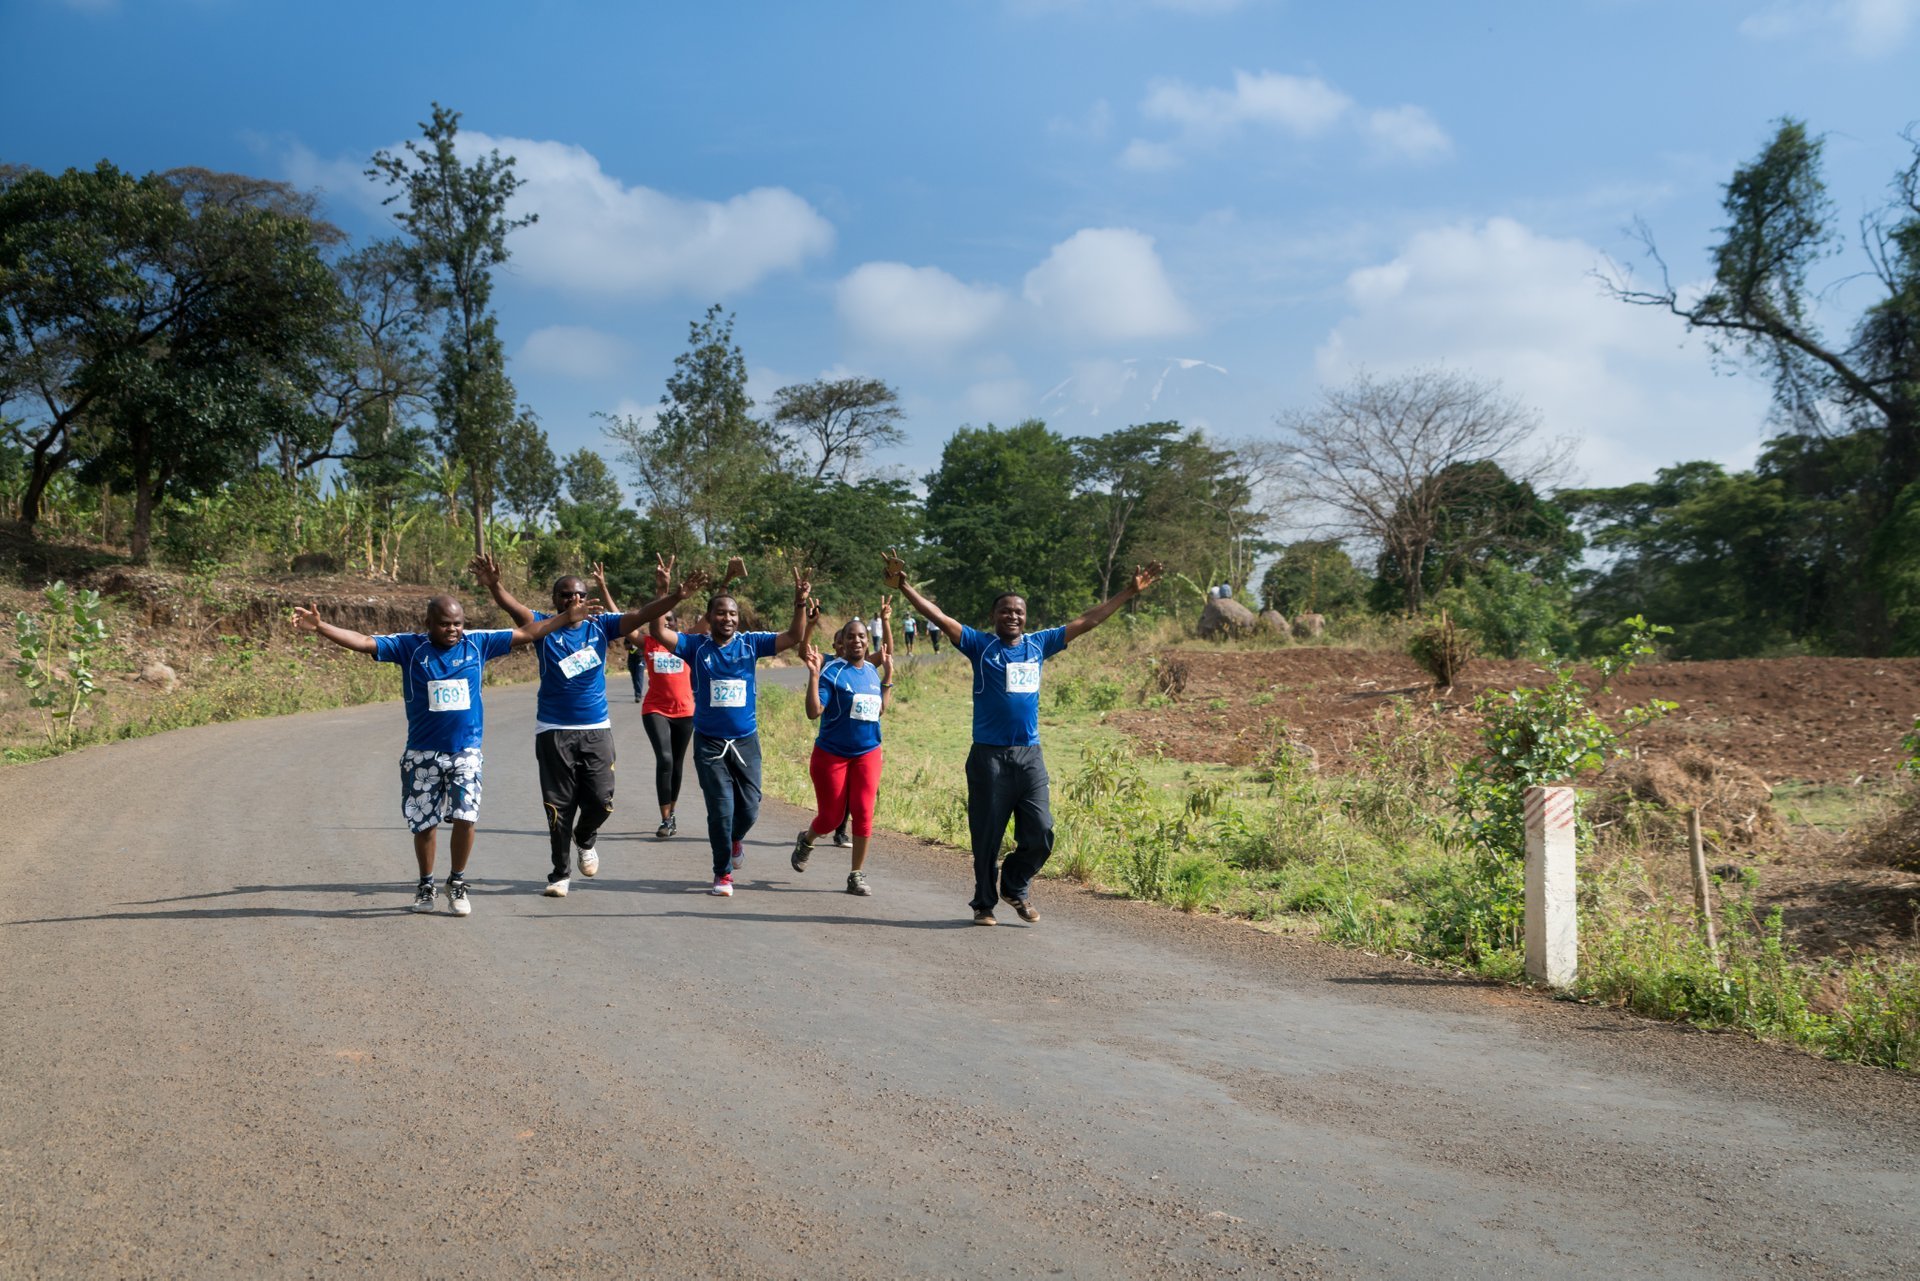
[(669, 736)]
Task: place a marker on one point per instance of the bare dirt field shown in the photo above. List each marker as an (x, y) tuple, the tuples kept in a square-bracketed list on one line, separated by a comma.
[(1835, 722)]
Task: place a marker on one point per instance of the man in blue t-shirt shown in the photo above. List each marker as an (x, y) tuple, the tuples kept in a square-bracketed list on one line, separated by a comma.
[(572, 734), (1006, 774), (726, 726), (440, 684)]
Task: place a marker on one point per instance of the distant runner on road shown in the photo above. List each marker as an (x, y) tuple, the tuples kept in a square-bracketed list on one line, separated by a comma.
[(1006, 774), (440, 684), (573, 736), (848, 696), (726, 738)]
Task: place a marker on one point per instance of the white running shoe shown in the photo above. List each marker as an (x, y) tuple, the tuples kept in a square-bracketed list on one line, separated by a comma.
[(722, 887), (423, 897), (556, 889), (589, 860), (457, 901)]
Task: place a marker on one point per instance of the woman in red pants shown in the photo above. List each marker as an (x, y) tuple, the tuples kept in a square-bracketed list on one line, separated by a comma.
[(847, 695)]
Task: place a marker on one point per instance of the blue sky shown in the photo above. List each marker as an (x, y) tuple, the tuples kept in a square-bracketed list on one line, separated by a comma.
[(1096, 212)]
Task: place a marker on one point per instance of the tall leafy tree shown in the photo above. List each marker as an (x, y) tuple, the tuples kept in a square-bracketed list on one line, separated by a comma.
[(529, 477), (1313, 576), (1761, 309), (836, 423), (589, 480), (1001, 516), (704, 452), (835, 527), (169, 314), (1486, 517), (456, 216)]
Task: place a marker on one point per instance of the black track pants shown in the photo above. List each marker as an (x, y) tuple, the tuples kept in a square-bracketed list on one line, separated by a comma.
[(576, 786)]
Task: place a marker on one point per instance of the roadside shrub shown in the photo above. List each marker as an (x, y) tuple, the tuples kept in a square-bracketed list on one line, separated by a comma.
[(1443, 650), (58, 648)]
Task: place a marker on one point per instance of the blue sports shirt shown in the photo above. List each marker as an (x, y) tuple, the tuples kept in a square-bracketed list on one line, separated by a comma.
[(849, 707), (441, 687), (573, 674), (1006, 684), (724, 692)]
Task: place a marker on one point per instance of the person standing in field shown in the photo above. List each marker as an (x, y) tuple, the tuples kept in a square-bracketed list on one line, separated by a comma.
[(1006, 773), (933, 634), (848, 696), (440, 686), (726, 738), (906, 627), (573, 735)]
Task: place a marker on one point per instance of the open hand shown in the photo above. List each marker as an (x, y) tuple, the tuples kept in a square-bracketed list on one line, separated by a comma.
[(893, 569), (1145, 576), (485, 570), (308, 619), (578, 612), (695, 582)]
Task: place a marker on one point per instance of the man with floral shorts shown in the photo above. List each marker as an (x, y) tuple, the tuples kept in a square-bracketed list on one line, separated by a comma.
[(440, 684)]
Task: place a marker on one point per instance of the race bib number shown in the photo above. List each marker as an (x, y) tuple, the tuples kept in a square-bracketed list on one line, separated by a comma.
[(449, 696), (668, 664), (729, 694), (866, 707), (1023, 678), (581, 660)]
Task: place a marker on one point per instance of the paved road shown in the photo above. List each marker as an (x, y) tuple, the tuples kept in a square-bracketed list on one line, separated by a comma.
[(228, 1050)]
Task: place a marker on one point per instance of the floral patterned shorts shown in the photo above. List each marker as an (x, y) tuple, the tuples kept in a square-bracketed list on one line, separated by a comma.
[(439, 787)]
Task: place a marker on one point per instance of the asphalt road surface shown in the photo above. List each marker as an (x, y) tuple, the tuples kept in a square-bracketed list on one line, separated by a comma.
[(230, 1050)]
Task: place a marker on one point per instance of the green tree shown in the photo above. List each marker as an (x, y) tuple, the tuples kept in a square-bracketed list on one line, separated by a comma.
[(1001, 516), (190, 409), (1760, 309), (529, 478), (457, 218), (838, 529), (1482, 517), (1313, 576), (704, 452), (837, 422), (589, 480)]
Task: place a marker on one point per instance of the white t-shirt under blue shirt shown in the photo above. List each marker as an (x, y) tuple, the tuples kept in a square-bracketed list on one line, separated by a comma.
[(1006, 684), (724, 693), (573, 674), (441, 687)]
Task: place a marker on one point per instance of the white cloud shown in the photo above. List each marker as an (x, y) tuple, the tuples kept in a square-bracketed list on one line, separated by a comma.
[(1870, 27), (574, 351), (1304, 106), (1503, 302), (1092, 124), (1408, 132), (1106, 283), (918, 309), (999, 400), (1300, 107), (597, 235)]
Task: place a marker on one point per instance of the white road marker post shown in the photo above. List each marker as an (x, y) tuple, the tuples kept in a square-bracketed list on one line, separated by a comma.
[(1553, 927)]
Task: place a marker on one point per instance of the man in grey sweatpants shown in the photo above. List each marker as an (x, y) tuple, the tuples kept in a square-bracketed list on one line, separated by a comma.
[(1006, 774)]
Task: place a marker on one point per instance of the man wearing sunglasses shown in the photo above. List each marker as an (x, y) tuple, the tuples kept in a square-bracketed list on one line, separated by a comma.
[(573, 736)]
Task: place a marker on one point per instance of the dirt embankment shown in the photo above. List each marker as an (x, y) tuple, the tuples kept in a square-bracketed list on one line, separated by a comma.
[(1824, 720)]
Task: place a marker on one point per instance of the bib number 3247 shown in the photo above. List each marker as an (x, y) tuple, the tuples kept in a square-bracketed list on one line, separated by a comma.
[(729, 693), (1023, 678)]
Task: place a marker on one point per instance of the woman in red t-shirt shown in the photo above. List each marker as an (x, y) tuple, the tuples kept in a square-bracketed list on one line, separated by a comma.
[(667, 712)]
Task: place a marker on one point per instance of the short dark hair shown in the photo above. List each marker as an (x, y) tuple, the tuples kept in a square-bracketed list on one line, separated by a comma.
[(1003, 595), (717, 597)]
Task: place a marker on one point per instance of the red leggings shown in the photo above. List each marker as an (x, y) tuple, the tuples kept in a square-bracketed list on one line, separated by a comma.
[(844, 785)]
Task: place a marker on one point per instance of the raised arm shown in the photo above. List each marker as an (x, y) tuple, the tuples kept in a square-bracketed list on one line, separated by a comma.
[(895, 575), (689, 586), (886, 679), (599, 572), (309, 620), (885, 615), (797, 629), (813, 659), (486, 571), (1142, 579), (527, 633)]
